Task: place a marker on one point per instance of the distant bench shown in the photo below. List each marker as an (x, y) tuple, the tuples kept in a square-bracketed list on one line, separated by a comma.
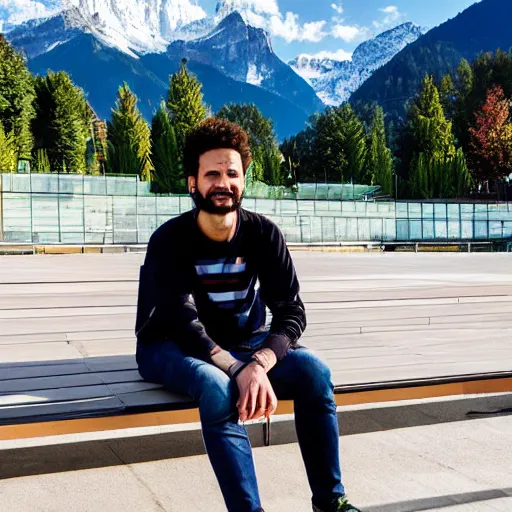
[(100, 394)]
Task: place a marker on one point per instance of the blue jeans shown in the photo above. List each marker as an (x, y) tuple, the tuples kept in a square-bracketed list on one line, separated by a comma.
[(300, 376)]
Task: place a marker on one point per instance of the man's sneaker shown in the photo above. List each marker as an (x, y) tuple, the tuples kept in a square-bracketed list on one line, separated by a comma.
[(341, 504)]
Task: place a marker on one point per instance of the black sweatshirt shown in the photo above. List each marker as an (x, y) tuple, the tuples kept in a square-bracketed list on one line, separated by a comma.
[(201, 293)]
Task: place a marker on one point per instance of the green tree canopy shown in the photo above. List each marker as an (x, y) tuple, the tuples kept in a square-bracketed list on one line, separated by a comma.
[(166, 158), (63, 122), (262, 139), (8, 151), (185, 103), (129, 138), (380, 159), (16, 98)]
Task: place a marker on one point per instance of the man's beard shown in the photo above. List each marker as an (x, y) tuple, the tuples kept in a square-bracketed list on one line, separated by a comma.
[(206, 204)]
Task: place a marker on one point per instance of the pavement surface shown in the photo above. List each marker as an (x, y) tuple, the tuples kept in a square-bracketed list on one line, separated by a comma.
[(371, 316), (455, 467)]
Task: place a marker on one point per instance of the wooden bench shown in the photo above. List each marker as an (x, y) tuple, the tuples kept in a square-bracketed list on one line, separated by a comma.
[(66, 340), (101, 394)]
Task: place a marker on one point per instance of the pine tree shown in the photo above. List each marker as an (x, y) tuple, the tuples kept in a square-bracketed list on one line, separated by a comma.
[(354, 142), (185, 103), (259, 128), (166, 159), (41, 162), (271, 165), (380, 159), (448, 96), (129, 138), (464, 103), (262, 140), (432, 132), (433, 145), (328, 150), (17, 96), (8, 151), (62, 123)]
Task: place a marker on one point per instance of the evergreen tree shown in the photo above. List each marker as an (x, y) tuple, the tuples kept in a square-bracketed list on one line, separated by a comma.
[(185, 103), (129, 138), (262, 140), (17, 96), (329, 159), (166, 159), (41, 162), (448, 96), (8, 151), (62, 123), (259, 128), (432, 132), (440, 177), (464, 84), (380, 159), (433, 146), (271, 165), (354, 142)]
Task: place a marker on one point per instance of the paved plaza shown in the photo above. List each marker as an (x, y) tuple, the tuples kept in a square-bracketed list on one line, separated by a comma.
[(372, 317)]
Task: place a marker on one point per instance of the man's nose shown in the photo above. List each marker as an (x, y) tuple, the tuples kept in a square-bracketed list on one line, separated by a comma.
[(224, 182)]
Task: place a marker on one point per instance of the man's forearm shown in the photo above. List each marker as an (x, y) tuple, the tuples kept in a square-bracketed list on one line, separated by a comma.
[(266, 358), (223, 360)]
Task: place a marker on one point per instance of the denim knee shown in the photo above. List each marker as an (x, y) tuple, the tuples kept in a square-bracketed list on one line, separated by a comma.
[(217, 400), (313, 375)]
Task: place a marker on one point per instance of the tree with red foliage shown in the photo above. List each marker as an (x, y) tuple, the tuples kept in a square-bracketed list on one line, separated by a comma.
[(490, 155)]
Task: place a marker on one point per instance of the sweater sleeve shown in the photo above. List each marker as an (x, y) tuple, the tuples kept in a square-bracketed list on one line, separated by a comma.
[(280, 292), (174, 308)]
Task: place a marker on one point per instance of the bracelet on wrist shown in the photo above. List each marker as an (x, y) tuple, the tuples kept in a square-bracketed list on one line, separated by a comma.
[(256, 359), (237, 372)]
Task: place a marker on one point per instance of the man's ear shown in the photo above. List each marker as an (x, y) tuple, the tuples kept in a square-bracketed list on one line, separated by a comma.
[(192, 184)]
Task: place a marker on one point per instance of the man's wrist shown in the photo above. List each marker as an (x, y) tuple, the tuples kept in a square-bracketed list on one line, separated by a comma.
[(266, 358)]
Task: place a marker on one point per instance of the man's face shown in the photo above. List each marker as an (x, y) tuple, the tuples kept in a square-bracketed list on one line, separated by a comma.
[(220, 181)]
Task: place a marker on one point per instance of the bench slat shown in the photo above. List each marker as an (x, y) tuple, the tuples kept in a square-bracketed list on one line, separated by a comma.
[(8, 372), (61, 411), (54, 395)]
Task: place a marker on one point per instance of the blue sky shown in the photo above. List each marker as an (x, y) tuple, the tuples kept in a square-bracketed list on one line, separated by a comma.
[(351, 21)]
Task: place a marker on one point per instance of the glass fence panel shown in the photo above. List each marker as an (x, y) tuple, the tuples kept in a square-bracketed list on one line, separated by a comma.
[(453, 229), (467, 229), (481, 229), (428, 229), (427, 211), (415, 230), (441, 229)]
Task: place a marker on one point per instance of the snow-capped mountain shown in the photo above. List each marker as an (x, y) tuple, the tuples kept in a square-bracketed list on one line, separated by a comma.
[(245, 54), (254, 13), (334, 81), (133, 26)]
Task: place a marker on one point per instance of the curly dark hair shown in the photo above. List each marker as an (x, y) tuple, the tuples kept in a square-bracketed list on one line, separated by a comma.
[(214, 133)]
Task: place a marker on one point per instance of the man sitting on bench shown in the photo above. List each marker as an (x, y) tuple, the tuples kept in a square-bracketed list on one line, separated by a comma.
[(206, 280)]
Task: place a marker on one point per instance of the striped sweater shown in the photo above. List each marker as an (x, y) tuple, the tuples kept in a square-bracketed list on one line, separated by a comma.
[(200, 293)]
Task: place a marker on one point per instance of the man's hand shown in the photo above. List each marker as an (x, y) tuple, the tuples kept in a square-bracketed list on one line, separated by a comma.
[(257, 398)]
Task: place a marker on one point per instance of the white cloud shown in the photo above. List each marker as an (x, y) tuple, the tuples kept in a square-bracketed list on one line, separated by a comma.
[(337, 55), (313, 31), (338, 8), (350, 33), (291, 30), (257, 6), (265, 14), (392, 17), (19, 11)]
